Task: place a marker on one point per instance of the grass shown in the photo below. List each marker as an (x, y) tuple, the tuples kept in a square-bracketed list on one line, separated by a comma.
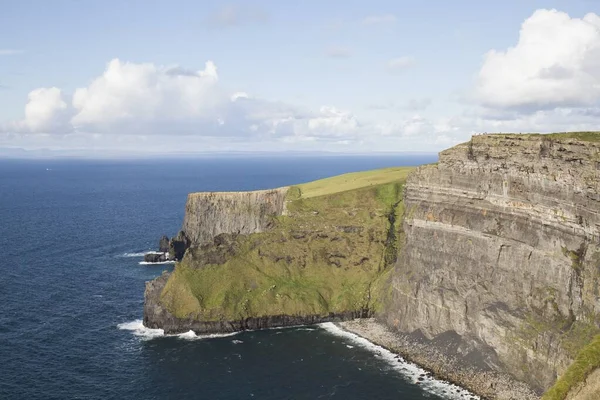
[(330, 254), (587, 360), (351, 181)]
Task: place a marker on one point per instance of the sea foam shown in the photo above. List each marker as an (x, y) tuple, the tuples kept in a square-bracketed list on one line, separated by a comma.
[(157, 263), (409, 370), (138, 329), (142, 254), (139, 253), (191, 335)]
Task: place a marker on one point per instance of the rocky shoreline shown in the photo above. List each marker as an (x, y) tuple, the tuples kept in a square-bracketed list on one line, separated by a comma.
[(157, 316), (488, 384), (169, 249)]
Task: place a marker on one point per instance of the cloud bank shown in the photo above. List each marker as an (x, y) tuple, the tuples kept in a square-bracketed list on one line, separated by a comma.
[(555, 63), (149, 100), (549, 80)]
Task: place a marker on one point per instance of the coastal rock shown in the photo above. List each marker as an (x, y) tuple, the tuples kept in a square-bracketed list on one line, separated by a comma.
[(502, 249), (491, 258), (163, 244), (208, 214), (157, 316), (155, 257), (445, 359), (178, 245), (238, 280)]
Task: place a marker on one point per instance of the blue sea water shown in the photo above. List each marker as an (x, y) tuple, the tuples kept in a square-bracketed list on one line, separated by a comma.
[(71, 291)]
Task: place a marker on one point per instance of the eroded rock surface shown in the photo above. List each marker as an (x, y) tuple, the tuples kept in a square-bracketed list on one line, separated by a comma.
[(211, 213), (502, 249)]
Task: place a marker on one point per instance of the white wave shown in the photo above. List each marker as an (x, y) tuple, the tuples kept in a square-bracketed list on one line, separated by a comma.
[(138, 329), (235, 341), (191, 335), (157, 263), (411, 371), (142, 254)]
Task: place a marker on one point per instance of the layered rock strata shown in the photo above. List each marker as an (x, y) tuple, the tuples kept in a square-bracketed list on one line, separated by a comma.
[(502, 249), (208, 214)]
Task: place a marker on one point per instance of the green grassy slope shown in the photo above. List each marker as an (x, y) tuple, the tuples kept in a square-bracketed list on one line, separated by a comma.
[(587, 360), (330, 254), (351, 181)]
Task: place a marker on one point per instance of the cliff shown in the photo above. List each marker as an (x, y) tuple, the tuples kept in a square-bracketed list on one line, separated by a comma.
[(501, 252), (309, 253), (211, 213), (483, 267)]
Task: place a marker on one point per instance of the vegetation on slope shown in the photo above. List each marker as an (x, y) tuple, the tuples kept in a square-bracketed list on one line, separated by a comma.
[(587, 360), (330, 254), (350, 181)]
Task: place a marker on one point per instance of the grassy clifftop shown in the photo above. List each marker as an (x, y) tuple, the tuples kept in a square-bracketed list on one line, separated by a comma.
[(329, 254)]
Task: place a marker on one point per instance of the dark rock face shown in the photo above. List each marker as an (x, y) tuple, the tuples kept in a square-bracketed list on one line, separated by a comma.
[(163, 245), (169, 250), (178, 245), (155, 257), (156, 316), (223, 247)]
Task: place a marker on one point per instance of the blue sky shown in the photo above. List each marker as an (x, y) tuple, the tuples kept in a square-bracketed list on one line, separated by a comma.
[(343, 76)]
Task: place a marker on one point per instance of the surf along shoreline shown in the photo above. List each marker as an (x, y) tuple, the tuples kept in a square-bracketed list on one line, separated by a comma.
[(409, 370), (487, 384)]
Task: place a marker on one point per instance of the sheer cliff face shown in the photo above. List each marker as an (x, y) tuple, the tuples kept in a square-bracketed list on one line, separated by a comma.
[(502, 248), (212, 213)]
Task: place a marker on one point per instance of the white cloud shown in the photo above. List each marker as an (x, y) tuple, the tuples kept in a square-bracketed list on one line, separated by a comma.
[(333, 122), (379, 19), (10, 52), (139, 98), (543, 121), (144, 99), (239, 95), (137, 106), (400, 63), (338, 52), (416, 125), (555, 63), (45, 112)]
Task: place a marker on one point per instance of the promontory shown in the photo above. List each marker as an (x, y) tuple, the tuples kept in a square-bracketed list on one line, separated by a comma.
[(483, 267)]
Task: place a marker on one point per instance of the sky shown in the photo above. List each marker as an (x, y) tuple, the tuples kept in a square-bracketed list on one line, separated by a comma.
[(106, 78)]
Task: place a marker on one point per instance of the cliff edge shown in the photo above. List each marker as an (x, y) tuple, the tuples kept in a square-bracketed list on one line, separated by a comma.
[(502, 252), (208, 214), (483, 267), (304, 254)]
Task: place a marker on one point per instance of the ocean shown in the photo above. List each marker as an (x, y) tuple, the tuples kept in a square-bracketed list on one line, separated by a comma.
[(73, 233)]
